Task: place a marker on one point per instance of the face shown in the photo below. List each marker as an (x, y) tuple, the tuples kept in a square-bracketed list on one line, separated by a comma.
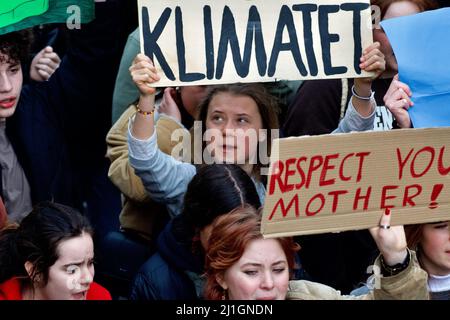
[(261, 273), (10, 86), (396, 9), (191, 97), (435, 248), (71, 275), (235, 124)]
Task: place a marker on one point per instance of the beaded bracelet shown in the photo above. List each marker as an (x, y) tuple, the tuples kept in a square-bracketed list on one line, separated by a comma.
[(145, 113), (361, 97)]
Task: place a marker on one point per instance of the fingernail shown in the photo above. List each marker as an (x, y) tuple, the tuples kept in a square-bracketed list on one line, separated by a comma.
[(387, 211)]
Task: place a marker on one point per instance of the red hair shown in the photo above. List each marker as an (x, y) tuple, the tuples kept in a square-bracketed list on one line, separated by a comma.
[(231, 233)]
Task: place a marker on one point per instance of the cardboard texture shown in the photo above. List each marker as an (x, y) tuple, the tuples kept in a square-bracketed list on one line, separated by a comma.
[(344, 181), (228, 41)]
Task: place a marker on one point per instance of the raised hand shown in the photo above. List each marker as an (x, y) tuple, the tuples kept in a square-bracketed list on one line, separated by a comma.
[(398, 100), (144, 74), (44, 64), (391, 240)]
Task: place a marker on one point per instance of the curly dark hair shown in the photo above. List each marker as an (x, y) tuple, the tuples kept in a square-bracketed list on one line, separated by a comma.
[(15, 46)]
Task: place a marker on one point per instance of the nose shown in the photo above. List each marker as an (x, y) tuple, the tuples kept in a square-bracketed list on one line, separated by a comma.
[(227, 128), (267, 281), (87, 275), (5, 84)]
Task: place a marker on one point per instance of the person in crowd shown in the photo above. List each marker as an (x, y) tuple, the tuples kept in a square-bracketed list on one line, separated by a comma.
[(177, 109), (14, 187), (241, 265), (431, 241), (232, 111), (317, 109), (49, 256), (175, 271), (63, 161)]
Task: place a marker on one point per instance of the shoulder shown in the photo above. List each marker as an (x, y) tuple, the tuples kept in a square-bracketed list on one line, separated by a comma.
[(308, 290), (97, 292), (11, 290)]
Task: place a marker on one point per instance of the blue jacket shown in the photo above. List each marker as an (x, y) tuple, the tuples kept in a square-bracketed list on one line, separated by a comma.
[(165, 275)]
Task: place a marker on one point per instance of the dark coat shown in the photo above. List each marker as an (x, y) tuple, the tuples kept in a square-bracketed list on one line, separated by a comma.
[(163, 276)]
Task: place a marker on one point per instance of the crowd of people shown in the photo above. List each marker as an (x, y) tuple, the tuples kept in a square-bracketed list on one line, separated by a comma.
[(183, 224)]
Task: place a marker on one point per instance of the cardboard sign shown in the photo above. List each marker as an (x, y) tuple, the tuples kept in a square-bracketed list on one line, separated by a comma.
[(427, 70), (205, 42), (343, 182)]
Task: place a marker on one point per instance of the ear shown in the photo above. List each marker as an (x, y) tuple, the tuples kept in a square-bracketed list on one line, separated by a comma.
[(221, 281), (29, 267)]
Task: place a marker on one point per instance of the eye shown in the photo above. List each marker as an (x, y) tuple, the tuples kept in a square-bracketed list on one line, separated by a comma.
[(217, 118), (279, 270), (441, 226), (243, 120), (14, 70), (251, 272), (72, 269)]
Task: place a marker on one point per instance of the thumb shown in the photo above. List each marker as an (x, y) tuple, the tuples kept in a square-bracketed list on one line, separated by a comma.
[(396, 77), (48, 49)]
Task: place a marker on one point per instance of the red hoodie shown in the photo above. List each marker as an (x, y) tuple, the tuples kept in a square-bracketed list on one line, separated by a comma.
[(11, 290)]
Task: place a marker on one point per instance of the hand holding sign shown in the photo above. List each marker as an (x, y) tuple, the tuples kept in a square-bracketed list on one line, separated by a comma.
[(372, 60), (144, 73), (391, 241)]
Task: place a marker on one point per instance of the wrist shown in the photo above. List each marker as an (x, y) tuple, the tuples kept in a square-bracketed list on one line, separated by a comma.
[(394, 264), (146, 103), (363, 88)]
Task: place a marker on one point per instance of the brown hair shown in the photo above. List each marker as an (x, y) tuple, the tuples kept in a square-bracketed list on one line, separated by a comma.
[(267, 106), (423, 5), (230, 235), (414, 234)]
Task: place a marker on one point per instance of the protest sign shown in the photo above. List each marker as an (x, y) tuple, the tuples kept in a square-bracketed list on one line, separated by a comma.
[(204, 42), (340, 182), (423, 63)]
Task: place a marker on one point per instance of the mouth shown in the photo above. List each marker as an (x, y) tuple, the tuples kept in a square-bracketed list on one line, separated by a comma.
[(80, 295), (266, 298), (8, 103)]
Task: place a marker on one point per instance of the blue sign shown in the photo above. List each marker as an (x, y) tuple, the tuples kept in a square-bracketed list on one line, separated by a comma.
[(421, 45)]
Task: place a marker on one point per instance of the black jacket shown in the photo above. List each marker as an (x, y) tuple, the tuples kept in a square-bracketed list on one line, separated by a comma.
[(164, 276)]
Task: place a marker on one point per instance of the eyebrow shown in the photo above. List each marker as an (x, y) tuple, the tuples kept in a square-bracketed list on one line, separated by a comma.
[(259, 264), (76, 263)]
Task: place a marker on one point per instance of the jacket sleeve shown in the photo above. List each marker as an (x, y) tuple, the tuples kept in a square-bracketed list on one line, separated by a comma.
[(353, 121), (410, 284), (120, 171), (164, 177)]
